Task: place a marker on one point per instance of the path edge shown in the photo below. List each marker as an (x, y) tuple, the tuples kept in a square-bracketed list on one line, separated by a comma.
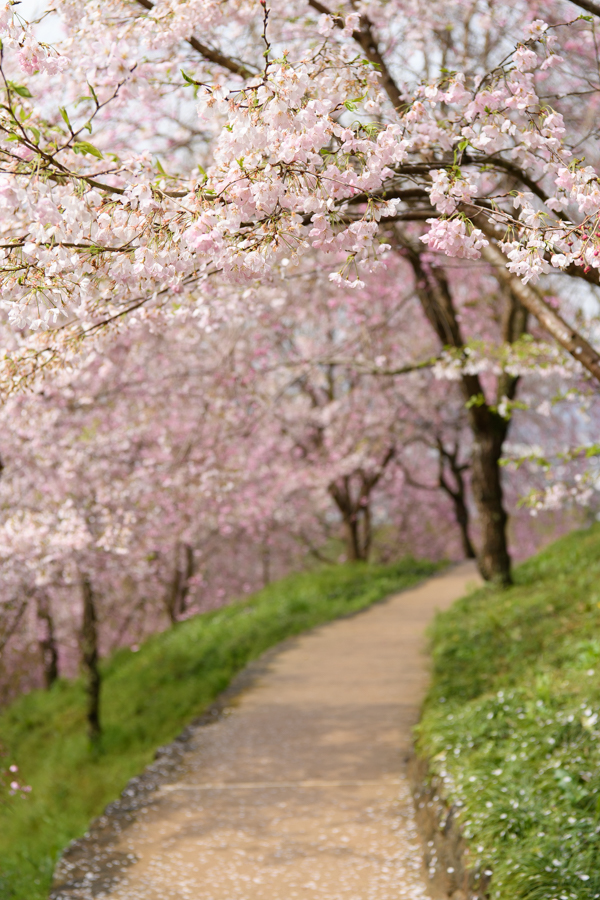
[(98, 843)]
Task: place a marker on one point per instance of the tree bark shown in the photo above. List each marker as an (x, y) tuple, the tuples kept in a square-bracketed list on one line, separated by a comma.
[(47, 644), (89, 653), (493, 557), (175, 600), (489, 429), (356, 511), (457, 495), (353, 543), (555, 325), (188, 573), (462, 519), (266, 563), (173, 592)]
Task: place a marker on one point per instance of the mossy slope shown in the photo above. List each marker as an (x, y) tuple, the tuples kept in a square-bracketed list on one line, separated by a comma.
[(512, 723)]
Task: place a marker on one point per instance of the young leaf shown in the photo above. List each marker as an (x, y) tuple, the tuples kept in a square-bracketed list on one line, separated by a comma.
[(20, 89), (188, 79), (85, 147)]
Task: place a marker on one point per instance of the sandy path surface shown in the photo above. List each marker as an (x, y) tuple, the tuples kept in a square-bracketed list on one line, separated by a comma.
[(299, 789)]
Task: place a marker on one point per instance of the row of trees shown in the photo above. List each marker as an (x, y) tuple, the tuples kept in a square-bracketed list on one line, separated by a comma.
[(306, 271), (181, 465)]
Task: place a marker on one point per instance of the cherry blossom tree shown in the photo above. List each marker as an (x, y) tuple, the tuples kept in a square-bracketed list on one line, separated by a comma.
[(176, 169), (134, 480), (314, 130), (321, 129)]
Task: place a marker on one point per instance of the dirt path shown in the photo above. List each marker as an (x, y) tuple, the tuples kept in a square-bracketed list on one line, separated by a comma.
[(298, 791)]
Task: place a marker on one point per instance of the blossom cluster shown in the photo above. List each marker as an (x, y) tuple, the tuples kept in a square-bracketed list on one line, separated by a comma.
[(302, 148)]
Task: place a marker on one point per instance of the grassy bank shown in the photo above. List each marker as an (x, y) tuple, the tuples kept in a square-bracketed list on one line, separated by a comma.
[(512, 723), (147, 698)]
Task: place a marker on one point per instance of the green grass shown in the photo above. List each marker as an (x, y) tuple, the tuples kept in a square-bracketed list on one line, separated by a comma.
[(512, 723), (147, 698)]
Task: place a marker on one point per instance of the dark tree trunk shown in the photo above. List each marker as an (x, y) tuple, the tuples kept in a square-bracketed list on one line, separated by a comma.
[(189, 573), (457, 494), (462, 519), (355, 517), (47, 644), (89, 653), (489, 429), (266, 564), (493, 557), (357, 530), (173, 594), (175, 601), (354, 551), (367, 530), (355, 507)]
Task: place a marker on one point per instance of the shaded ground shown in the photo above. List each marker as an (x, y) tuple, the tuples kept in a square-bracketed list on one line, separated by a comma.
[(297, 790)]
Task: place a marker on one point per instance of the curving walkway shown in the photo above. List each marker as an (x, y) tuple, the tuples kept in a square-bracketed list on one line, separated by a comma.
[(299, 789)]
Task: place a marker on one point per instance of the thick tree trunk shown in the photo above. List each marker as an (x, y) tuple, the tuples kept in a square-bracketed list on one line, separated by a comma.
[(489, 429), (89, 653), (189, 572), (367, 530), (47, 644), (358, 532), (355, 507), (266, 564), (493, 557), (173, 594), (175, 600), (353, 543), (462, 519)]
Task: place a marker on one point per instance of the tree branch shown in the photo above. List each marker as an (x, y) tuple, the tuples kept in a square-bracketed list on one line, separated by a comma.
[(365, 38), (554, 324), (588, 5), (214, 56)]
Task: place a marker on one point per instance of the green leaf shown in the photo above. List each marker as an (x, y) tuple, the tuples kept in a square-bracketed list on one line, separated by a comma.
[(85, 147), (65, 116), (20, 89), (475, 400), (188, 79), (36, 134), (463, 145)]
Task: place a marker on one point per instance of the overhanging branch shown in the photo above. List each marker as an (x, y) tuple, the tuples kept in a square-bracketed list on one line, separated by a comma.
[(210, 54), (555, 325)]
